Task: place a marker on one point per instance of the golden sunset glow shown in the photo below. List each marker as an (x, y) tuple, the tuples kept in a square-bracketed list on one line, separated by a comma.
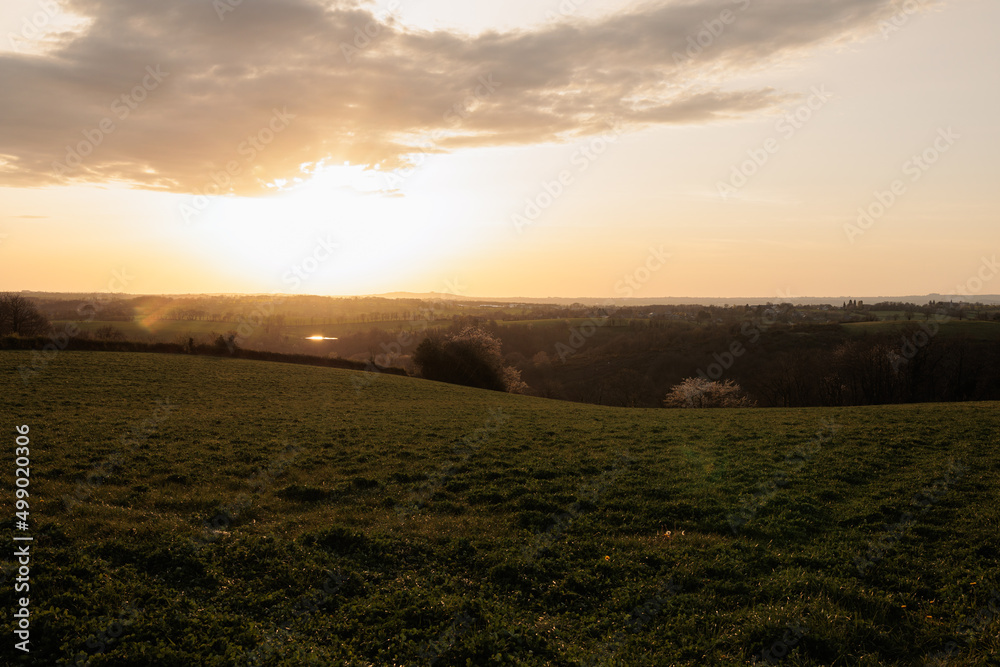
[(468, 332), (758, 143)]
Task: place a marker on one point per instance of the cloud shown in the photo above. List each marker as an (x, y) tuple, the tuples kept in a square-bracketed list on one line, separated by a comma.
[(163, 95)]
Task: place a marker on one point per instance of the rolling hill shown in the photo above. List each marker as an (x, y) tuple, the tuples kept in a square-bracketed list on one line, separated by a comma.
[(199, 510)]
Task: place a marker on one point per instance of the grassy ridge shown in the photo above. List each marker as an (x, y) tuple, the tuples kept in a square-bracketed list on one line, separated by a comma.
[(193, 510)]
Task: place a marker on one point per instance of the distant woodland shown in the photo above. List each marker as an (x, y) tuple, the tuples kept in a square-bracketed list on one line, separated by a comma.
[(849, 353)]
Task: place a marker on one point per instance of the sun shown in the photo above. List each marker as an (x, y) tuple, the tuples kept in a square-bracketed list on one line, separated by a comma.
[(387, 235)]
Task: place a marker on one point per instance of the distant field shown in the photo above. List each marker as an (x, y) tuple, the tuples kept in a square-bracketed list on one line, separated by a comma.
[(170, 329), (210, 511), (980, 330), (179, 328), (571, 321), (339, 330), (888, 315), (161, 328)]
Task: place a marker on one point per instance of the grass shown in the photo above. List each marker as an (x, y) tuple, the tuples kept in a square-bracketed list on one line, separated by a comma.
[(194, 510)]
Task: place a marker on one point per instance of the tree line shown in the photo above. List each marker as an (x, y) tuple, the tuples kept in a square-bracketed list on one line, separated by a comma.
[(775, 356)]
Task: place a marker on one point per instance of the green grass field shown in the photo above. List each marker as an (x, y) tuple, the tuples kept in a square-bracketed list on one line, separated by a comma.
[(210, 511)]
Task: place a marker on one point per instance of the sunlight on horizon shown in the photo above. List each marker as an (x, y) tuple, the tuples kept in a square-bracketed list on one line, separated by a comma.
[(485, 158), (383, 234)]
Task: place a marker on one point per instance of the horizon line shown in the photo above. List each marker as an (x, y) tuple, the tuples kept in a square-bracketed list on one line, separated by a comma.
[(462, 297)]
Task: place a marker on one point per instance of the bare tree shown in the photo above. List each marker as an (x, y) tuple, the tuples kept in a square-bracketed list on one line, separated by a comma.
[(19, 316)]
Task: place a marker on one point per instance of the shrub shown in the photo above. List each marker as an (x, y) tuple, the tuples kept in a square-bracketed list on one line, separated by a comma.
[(224, 344), (109, 332), (702, 393), (471, 358)]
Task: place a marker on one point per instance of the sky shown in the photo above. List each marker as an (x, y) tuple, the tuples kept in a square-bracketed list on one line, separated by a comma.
[(536, 148)]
